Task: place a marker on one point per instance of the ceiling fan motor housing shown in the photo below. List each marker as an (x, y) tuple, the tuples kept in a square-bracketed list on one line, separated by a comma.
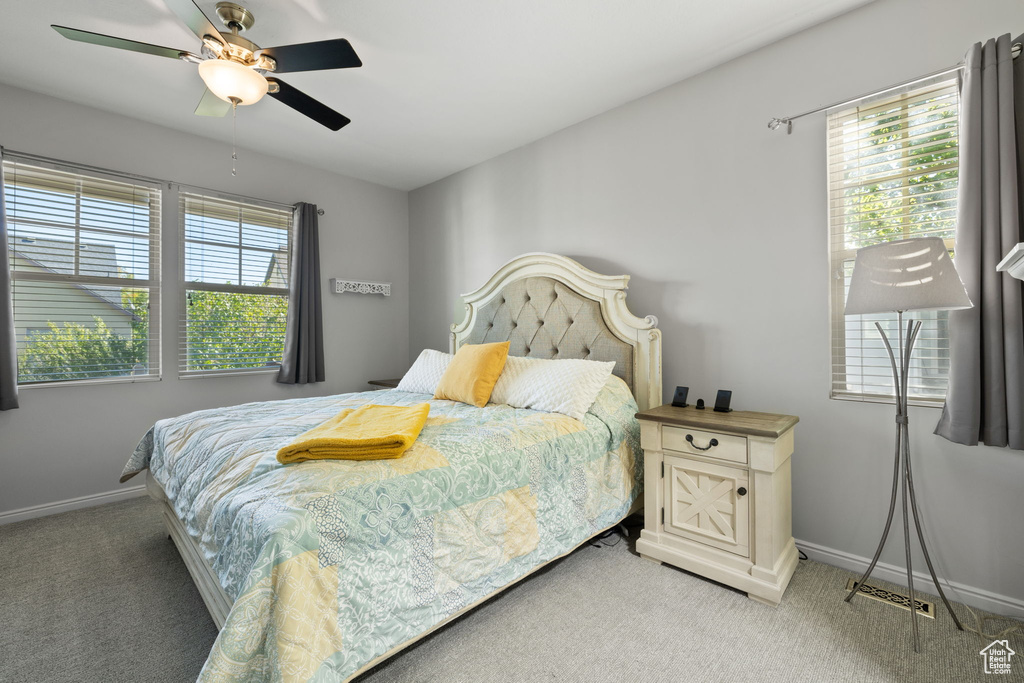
[(237, 49), (233, 46)]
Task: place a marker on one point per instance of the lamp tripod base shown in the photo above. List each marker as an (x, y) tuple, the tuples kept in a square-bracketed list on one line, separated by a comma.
[(903, 479)]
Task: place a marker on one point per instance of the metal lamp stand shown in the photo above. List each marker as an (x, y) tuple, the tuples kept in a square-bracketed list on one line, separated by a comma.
[(902, 466)]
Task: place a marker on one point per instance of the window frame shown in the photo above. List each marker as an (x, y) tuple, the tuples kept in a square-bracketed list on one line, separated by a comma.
[(153, 284), (185, 286), (838, 257)]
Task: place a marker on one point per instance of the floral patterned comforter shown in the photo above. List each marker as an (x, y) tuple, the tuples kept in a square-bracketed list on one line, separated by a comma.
[(331, 564)]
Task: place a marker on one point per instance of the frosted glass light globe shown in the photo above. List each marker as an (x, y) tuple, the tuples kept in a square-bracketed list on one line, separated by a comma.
[(230, 80)]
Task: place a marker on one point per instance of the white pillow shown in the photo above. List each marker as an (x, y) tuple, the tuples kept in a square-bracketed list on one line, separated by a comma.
[(426, 372), (568, 386)]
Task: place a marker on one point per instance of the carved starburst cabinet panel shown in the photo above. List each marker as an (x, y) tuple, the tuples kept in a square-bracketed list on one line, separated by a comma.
[(702, 502)]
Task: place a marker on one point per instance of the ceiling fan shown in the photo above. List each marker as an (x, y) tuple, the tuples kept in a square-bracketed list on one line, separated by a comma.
[(234, 68)]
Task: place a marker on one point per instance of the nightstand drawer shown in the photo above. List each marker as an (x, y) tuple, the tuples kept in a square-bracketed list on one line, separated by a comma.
[(727, 447)]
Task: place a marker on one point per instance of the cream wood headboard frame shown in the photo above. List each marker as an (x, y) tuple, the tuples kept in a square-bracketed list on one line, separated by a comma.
[(608, 290)]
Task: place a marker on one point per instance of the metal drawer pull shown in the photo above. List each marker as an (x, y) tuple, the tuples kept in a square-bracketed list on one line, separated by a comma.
[(741, 491), (711, 444)]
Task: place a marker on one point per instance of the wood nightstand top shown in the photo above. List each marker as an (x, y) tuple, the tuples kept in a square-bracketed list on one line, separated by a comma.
[(389, 383), (737, 422)]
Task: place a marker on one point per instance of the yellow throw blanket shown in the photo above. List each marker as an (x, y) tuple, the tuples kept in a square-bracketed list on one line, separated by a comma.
[(367, 433)]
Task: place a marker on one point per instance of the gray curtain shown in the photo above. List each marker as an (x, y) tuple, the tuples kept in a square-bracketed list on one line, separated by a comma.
[(985, 401), (8, 350), (304, 338)]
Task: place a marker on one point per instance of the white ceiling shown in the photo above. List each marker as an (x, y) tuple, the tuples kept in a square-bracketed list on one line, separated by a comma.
[(445, 84)]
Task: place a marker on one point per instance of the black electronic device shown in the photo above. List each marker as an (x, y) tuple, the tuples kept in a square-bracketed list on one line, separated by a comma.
[(700, 404), (679, 400), (722, 401)]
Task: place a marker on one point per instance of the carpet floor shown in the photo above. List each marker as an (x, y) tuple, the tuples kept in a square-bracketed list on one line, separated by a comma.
[(102, 595)]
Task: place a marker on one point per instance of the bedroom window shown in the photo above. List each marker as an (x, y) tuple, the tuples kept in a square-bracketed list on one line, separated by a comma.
[(892, 175), (83, 248), (235, 274)]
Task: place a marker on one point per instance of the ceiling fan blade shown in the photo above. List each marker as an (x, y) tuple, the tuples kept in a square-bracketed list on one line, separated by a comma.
[(199, 23), (325, 54), (304, 104), (120, 43), (211, 105)]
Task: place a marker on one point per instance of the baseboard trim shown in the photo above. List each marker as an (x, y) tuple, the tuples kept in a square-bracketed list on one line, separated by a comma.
[(958, 592), (21, 514)]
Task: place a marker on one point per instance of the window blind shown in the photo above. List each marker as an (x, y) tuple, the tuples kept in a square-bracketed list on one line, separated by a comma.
[(892, 167), (235, 273), (84, 252)]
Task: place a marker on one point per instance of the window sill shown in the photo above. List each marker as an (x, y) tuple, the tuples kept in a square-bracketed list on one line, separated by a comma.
[(91, 382), (890, 400), (201, 374)]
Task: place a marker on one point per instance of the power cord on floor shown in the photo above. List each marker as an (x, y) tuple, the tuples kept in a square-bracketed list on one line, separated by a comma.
[(619, 531), (979, 621), (599, 541)]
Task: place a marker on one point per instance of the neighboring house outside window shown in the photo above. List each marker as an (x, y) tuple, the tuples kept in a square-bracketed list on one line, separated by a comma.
[(893, 168), (84, 256), (235, 271)]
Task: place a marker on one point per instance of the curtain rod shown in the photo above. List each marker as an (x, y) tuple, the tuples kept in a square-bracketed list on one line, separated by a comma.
[(774, 123), (1015, 49)]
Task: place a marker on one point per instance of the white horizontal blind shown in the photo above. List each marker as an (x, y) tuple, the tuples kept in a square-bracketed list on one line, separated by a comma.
[(84, 252), (235, 270), (892, 175)]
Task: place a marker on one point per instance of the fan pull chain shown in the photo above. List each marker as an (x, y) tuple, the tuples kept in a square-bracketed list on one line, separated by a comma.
[(234, 127)]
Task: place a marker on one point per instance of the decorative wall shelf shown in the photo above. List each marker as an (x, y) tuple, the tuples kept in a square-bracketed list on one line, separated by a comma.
[(339, 286)]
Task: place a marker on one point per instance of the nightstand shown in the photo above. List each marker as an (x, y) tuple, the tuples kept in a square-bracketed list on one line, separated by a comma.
[(717, 496), (384, 383)]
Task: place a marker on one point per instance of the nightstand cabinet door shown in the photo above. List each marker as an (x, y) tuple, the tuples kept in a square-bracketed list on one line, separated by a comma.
[(703, 503)]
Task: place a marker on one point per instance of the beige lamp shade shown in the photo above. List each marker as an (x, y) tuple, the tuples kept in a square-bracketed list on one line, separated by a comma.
[(906, 275), (231, 81)]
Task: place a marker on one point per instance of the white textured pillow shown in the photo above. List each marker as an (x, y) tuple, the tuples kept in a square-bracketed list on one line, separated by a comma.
[(568, 386), (426, 372)]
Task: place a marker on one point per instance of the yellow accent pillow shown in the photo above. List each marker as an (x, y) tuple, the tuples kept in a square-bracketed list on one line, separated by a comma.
[(473, 372)]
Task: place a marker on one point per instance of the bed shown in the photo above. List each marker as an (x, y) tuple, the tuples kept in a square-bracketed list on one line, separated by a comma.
[(319, 571)]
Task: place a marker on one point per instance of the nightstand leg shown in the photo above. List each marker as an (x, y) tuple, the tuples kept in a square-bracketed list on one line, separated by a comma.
[(651, 559), (763, 601)]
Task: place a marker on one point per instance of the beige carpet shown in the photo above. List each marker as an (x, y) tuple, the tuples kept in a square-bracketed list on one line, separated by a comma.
[(101, 595)]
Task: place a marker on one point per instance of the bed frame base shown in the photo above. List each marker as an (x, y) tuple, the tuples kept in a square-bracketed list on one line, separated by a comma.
[(218, 604)]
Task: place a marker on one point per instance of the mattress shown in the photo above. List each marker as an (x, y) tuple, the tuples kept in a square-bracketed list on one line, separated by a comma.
[(331, 564)]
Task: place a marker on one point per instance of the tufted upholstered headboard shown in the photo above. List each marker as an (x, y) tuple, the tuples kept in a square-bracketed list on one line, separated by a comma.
[(550, 306)]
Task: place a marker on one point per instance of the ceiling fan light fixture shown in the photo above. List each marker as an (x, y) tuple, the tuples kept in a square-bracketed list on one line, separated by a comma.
[(230, 81)]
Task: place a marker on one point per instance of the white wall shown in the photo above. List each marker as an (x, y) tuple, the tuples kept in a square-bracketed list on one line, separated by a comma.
[(69, 442), (722, 225)]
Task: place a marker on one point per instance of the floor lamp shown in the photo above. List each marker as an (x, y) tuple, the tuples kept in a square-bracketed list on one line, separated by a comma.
[(906, 275)]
